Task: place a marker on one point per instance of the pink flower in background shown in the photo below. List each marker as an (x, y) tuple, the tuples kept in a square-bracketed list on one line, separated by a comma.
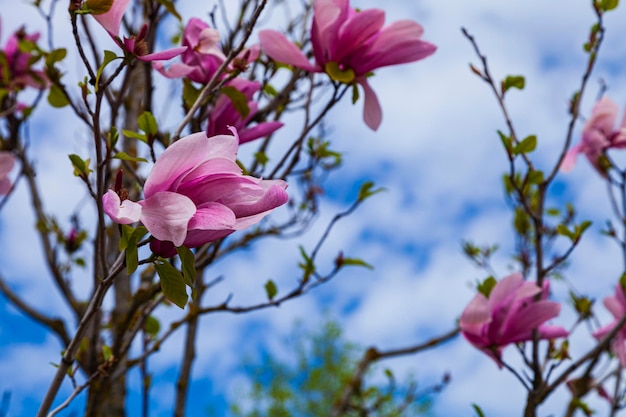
[(196, 193), (135, 44), (203, 55), (616, 305), (224, 114), (509, 315), (7, 161), (18, 73), (599, 135), (349, 44)]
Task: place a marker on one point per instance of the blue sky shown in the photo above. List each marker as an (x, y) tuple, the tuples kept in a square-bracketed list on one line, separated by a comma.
[(438, 156)]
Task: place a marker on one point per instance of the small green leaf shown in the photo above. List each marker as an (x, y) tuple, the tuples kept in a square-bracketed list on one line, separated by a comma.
[(126, 157), (507, 142), (135, 135), (171, 9), (261, 158), (270, 289), (152, 326), (479, 411), (607, 5), (239, 100), (128, 241), (172, 283), (188, 261), (367, 190), (563, 230), (270, 90), (55, 56), (98, 6), (355, 94), (534, 177), (527, 145), (108, 57), (56, 97), (81, 168), (147, 123), (356, 262), (513, 81), (486, 286), (106, 352)]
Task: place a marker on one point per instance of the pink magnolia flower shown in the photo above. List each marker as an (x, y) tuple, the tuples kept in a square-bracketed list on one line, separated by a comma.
[(203, 55), (509, 315), (616, 305), (16, 72), (196, 193), (599, 135), (224, 114), (135, 44), (349, 44), (7, 161)]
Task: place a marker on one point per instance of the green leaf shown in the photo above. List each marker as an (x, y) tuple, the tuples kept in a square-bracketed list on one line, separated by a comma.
[(169, 6), (128, 241), (147, 123), (98, 6), (108, 57), (270, 289), (56, 97), (479, 411), (55, 56), (188, 261), (527, 145), (239, 100), (126, 157), (106, 352), (486, 286), (152, 326), (307, 266), (269, 90), (507, 142), (607, 5), (190, 93), (563, 230), (355, 94), (513, 81), (135, 135), (261, 158), (367, 190), (356, 262), (534, 177), (81, 168), (172, 283)]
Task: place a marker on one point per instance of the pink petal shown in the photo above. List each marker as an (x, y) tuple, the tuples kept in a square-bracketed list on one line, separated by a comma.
[(162, 55), (356, 31), (7, 161), (199, 237), (166, 216), (570, 158), (179, 158), (398, 43), (175, 70), (121, 212), (112, 19), (328, 16), (251, 212), (213, 216), (259, 131), (603, 117), (552, 332), (372, 113), (518, 327), (477, 312), (5, 186), (504, 290), (280, 49)]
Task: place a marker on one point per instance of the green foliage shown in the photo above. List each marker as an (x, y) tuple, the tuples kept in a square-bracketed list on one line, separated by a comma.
[(109, 56), (486, 286), (171, 9), (238, 99), (270, 289), (172, 283), (128, 241), (367, 190), (56, 97), (309, 385), (512, 81), (527, 145)]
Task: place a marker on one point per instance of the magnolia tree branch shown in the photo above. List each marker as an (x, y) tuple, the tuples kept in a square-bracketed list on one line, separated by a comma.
[(69, 355), (374, 355)]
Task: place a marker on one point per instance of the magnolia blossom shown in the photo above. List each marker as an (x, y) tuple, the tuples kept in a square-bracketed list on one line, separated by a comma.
[(7, 161), (509, 315), (599, 135), (18, 73), (617, 307), (136, 44), (349, 44), (224, 114), (203, 55), (196, 193)]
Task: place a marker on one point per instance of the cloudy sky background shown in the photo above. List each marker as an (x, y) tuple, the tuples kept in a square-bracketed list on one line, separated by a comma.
[(438, 156)]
